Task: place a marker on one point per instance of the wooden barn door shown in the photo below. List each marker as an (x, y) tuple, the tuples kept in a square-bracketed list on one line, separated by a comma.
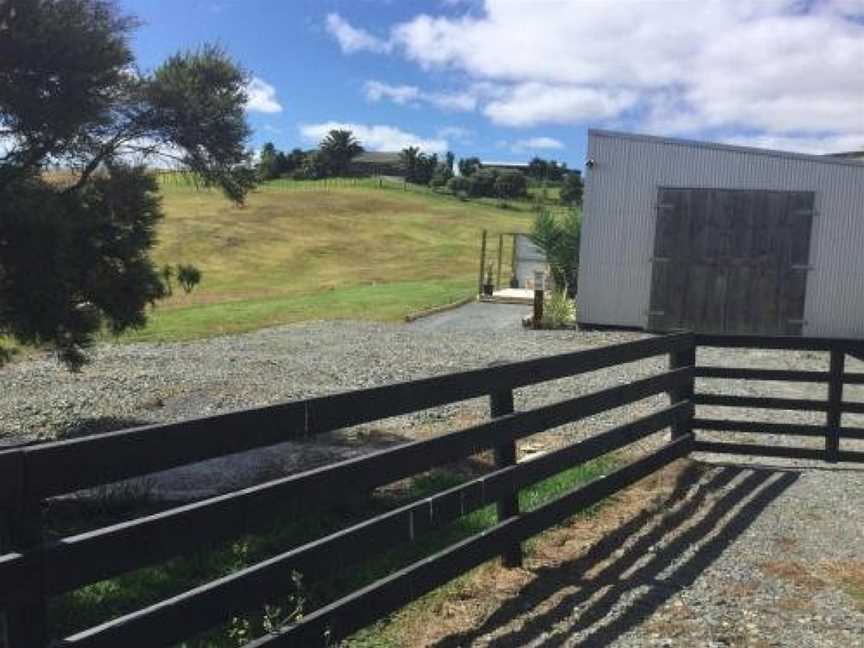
[(731, 261)]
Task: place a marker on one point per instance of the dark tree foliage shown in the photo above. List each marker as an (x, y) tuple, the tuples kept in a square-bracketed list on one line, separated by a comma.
[(315, 166), (459, 184), (188, 276), (408, 162), (468, 166), (418, 167), (74, 252), (572, 189), (546, 170), (441, 175), (338, 148), (511, 184), (270, 163), (449, 160), (482, 183)]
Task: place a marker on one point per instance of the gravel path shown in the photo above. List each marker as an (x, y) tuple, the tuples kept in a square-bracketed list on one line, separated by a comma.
[(726, 555), (754, 554), (479, 317)]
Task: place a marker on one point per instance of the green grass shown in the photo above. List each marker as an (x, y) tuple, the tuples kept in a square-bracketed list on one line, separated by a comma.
[(95, 603), (343, 251), (386, 301)]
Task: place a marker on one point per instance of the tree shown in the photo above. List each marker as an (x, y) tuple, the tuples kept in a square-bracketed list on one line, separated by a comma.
[(188, 276), (546, 170), (408, 162), (425, 169), (449, 160), (441, 175), (75, 255), (511, 184), (459, 185), (294, 160), (482, 183), (315, 166), (559, 240), (269, 162), (571, 191), (538, 168), (468, 166), (339, 147)]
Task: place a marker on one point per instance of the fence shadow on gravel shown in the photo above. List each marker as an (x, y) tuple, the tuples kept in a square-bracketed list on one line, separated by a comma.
[(706, 514)]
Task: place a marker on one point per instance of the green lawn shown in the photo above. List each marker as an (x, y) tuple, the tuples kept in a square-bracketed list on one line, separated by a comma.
[(92, 604), (317, 253)]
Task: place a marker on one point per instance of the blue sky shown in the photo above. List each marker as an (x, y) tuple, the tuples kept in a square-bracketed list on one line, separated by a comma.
[(509, 79)]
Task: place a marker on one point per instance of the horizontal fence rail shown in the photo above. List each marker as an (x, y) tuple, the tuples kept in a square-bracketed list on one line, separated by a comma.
[(32, 570), (100, 459), (832, 405)]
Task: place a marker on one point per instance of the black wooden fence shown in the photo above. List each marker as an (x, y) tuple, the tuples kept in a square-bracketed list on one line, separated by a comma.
[(32, 571), (833, 404)]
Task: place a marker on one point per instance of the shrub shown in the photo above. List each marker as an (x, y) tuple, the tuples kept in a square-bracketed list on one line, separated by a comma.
[(482, 183), (442, 175), (458, 184), (188, 276), (559, 310), (511, 184), (571, 190), (560, 241), (315, 167), (468, 166)]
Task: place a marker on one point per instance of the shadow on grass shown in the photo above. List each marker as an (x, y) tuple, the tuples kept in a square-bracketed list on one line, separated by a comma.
[(661, 552), (99, 425)]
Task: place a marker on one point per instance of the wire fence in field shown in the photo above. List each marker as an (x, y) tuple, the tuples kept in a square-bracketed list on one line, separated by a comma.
[(534, 202)]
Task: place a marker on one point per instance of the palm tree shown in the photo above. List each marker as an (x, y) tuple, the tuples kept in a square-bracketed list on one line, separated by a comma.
[(338, 148), (408, 159)]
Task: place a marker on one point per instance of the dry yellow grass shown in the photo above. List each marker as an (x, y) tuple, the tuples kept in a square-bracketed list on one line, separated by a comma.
[(337, 253)]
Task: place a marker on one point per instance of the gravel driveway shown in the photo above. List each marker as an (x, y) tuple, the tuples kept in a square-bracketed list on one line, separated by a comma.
[(767, 554), (477, 317)]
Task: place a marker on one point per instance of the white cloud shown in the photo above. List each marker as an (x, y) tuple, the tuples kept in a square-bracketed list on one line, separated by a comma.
[(262, 97), (460, 101), (817, 145), (781, 68), (537, 144), (412, 95), (375, 137), (402, 94), (532, 103), (352, 39), (458, 133)]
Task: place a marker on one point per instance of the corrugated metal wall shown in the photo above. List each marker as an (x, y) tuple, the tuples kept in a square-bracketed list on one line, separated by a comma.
[(619, 218)]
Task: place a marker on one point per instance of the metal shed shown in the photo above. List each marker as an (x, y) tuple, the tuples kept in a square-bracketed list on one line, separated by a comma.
[(718, 238)]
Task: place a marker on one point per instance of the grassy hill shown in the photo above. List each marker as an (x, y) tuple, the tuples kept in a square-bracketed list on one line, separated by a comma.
[(340, 252)]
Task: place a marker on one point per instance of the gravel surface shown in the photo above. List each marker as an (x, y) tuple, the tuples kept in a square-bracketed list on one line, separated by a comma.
[(728, 555), (757, 554)]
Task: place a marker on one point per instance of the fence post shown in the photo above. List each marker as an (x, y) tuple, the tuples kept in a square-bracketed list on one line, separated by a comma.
[(501, 404), (482, 263), (677, 360), (26, 622), (835, 400)]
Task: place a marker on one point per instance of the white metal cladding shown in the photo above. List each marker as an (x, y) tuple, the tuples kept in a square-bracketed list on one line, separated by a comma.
[(619, 219)]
